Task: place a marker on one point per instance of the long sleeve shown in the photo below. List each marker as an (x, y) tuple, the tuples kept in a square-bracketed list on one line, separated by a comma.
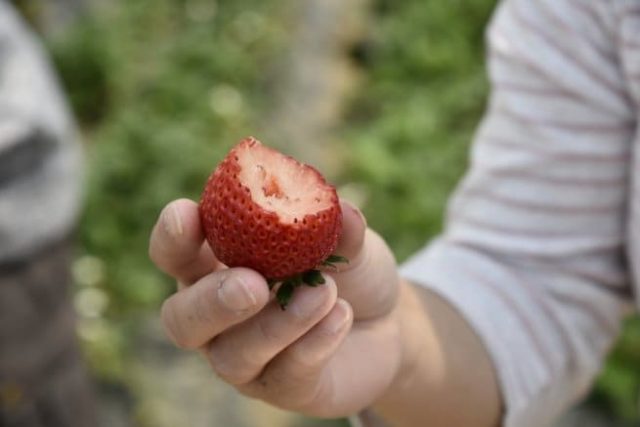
[(40, 177), (533, 252)]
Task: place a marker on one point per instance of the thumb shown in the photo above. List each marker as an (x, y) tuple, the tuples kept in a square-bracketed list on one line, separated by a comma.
[(369, 282)]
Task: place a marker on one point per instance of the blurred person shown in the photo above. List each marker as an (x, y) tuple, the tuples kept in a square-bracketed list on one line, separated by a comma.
[(42, 378), (504, 319)]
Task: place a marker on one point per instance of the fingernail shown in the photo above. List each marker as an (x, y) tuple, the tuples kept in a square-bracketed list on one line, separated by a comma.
[(235, 294), (339, 317), (171, 221), (358, 212)]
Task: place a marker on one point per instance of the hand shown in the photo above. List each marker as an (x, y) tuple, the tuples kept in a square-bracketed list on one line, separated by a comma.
[(335, 350)]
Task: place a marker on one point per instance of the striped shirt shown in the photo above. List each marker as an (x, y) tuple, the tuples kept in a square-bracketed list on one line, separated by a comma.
[(541, 249)]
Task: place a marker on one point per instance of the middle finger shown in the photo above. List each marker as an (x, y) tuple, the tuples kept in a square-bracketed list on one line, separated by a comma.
[(240, 354)]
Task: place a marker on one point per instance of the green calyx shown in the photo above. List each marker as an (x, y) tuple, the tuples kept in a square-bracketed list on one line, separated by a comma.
[(332, 260), (311, 278)]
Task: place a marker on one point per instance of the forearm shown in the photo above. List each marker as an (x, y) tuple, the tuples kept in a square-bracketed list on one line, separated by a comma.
[(445, 376)]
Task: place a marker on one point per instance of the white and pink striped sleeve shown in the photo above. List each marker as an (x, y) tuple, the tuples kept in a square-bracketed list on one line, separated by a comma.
[(533, 251)]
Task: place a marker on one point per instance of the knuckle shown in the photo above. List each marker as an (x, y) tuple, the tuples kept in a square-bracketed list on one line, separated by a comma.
[(291, 392), (231, 370), (317, 401), (253, 390), (204, 305), (306, 363), (173, 325), (167, 314), (307, 403), (160, 254), (268, 332)]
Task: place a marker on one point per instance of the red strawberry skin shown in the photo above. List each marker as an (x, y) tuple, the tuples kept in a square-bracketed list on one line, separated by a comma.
[(243, 233)]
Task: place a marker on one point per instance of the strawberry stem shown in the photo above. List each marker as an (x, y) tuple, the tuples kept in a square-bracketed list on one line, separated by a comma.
[(335, 259), (311, 278), (284, 293)]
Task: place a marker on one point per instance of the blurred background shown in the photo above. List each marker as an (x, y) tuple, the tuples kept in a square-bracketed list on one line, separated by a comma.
[(383, 96)]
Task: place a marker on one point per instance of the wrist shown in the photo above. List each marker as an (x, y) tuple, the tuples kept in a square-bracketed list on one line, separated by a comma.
[(442, 366), (410, 351)]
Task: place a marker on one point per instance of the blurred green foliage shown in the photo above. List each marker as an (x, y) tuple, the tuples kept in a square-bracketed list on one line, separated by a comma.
[(410, 126), (162, 88), (618, 387)]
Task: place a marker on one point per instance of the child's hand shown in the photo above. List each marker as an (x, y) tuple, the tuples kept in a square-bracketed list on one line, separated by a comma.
[(335, 349)]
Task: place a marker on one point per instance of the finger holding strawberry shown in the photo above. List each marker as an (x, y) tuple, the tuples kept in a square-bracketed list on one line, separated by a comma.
[(263, 212), (265, 228)]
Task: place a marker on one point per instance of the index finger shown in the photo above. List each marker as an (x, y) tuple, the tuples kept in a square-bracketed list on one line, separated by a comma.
[(177, 245), (197, 314)]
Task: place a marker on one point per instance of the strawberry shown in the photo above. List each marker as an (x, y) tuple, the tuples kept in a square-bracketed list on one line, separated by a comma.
[(266, 211)]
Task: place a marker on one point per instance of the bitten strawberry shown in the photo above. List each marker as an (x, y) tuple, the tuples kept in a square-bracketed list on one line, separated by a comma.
[(266, 211)]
